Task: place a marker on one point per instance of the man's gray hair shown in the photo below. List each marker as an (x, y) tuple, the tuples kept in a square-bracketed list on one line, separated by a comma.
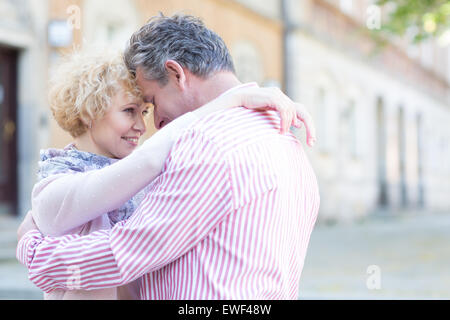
[(182, 38)]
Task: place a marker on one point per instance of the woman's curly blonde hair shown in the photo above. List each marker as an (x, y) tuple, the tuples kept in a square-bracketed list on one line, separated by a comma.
[(83, 85)]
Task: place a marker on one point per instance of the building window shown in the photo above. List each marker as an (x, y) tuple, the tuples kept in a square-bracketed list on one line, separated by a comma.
[(322, 116), (421, 184), (427, 54), (248, 62), (109, 23), (383, 199), (346, 6), (402, 156), (347, 125)]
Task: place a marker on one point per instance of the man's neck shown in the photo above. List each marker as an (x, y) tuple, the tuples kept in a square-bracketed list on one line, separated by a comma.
[(214, 86)]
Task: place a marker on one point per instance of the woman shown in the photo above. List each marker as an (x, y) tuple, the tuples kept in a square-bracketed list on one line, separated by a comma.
[(84, 187)]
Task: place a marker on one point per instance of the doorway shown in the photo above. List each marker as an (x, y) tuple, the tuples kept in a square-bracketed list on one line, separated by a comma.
[(8, 131)]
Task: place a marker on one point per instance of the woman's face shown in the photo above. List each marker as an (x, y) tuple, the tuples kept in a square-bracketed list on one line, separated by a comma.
[(117, 134)]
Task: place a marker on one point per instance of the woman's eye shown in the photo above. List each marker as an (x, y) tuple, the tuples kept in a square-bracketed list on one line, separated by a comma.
[(131, 110)]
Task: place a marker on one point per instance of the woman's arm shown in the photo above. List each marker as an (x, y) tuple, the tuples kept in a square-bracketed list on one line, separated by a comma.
[(254, 97), (91, 194)]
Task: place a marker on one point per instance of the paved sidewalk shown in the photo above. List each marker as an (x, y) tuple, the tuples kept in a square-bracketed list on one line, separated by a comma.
[(412, 254), (14, 283)]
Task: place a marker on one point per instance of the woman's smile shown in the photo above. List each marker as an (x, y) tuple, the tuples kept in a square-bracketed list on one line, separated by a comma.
[(133, 141)]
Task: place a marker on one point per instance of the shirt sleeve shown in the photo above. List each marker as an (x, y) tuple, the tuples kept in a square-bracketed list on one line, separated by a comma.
[(186, 202), (90, 194)]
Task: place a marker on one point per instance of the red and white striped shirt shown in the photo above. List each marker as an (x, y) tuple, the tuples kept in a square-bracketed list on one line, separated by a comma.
[(230, 217)]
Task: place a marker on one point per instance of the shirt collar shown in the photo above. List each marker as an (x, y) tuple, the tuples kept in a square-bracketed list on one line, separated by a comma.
[(244, 85)]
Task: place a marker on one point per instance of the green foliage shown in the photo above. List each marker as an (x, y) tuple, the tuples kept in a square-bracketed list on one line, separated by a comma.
[(421, 19)]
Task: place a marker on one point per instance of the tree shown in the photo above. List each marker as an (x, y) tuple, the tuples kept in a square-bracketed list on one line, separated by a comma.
[(418, 19)]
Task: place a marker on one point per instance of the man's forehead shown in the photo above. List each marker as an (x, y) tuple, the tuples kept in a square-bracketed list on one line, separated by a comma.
[(140, 78), (145, 85)]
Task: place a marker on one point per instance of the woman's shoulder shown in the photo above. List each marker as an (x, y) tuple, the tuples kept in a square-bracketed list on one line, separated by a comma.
[(69, 160)]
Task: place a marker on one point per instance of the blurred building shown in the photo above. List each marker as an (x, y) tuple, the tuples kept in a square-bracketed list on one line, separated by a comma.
[(383, 142), (383, 138), (23, 112)]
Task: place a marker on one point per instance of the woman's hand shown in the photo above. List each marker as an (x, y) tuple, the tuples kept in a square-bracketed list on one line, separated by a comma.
[(26, 225), (291, 113)]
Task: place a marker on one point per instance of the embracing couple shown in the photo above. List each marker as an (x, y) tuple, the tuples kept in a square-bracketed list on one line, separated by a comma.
[(220, 203)]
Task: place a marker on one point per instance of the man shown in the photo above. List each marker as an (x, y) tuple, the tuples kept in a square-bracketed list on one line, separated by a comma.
[(231, 214)]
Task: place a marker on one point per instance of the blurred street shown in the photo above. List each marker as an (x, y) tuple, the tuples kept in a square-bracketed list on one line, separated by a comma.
[(411, 251), (14, 283), (373, 76)]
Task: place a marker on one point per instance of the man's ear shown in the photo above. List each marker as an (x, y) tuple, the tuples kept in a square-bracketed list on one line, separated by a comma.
[(176, 73)]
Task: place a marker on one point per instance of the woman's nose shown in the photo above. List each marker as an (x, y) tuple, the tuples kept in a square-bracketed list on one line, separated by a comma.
[(140, 125)]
